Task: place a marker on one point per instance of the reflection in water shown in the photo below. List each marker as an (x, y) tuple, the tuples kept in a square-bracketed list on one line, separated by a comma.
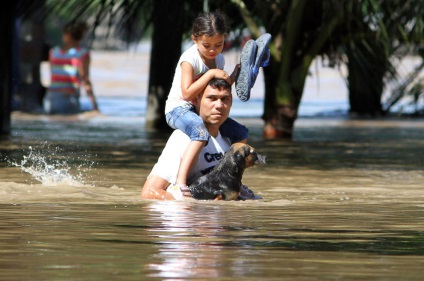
[(185, 251), (343, 200)]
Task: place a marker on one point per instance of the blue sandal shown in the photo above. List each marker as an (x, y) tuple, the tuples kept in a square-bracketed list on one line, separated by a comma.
[(244, 76), (255, 54), (263, 54)]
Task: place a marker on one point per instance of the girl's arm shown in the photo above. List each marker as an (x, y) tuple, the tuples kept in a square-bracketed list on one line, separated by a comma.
[(85, 79), (191, 89)]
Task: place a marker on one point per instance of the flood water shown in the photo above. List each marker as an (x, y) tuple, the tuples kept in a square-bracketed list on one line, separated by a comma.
[(343, 201)]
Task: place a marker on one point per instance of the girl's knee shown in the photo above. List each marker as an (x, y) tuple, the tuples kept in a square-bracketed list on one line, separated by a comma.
[(199, 133)]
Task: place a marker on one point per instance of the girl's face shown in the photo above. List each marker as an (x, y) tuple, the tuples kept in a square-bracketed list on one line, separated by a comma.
[(209, 46)]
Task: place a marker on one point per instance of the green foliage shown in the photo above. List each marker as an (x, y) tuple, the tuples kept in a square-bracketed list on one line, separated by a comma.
[(371, 31), (127, 20)]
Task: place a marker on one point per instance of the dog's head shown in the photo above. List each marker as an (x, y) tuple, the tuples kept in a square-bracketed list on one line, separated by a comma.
[(246, 156)]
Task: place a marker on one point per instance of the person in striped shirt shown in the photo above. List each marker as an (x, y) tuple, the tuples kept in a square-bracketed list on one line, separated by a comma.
[(69, 64)]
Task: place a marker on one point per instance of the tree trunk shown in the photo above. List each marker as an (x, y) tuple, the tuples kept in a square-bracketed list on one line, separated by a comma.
[(7, 26), (282, 98), (366, 74), (292, 54), (284, 92), (33, 52), (165, 53), (280, 116), (286, 76)]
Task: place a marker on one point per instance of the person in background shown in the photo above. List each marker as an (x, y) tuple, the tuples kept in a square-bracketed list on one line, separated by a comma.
[(70, 65)]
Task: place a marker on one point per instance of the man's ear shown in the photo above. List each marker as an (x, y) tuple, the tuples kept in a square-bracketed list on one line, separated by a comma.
[(218, 197), (196, 101)]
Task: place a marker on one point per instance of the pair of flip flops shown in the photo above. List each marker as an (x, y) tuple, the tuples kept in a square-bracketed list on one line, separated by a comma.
[(255, 54)]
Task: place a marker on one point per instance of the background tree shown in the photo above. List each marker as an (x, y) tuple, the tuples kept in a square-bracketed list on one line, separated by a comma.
[(166, 49), (125, 15), (303, 30), (387, 32), (300, 30), (170, 22), (7, 26), (364, 32)]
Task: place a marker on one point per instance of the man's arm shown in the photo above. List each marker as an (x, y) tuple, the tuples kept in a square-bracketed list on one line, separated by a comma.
[(155, 188)]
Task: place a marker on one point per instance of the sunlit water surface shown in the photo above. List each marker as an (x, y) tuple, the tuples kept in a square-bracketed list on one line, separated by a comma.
[(343, 201)]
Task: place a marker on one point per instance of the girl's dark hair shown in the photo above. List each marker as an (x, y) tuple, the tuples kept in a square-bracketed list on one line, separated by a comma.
[(75, 29), (210, 24)]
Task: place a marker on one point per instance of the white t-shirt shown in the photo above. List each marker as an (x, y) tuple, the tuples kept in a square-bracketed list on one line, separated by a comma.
[(169, 161), (192, 56)]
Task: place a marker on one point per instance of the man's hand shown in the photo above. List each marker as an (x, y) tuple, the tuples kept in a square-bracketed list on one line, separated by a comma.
[(155, 188)]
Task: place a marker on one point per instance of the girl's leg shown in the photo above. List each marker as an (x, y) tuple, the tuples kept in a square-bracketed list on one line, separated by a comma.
[(188, 160), (185, 119), (59, 103)]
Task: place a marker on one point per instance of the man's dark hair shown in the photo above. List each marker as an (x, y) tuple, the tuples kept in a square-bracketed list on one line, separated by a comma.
[(219, 84)]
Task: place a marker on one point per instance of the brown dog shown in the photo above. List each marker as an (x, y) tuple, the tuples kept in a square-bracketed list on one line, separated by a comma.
[(224, 181)]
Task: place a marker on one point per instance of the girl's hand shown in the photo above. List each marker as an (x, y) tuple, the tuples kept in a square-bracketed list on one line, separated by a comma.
[(234, 74), (221, 74)]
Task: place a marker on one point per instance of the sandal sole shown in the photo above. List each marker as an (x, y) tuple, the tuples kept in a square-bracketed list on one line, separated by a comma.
[(244, 76)]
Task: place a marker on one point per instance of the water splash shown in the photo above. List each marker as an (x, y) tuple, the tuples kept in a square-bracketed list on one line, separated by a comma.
[(42, 166)]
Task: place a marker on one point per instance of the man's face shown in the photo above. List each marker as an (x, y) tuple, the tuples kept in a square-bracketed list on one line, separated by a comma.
[(214, 105)]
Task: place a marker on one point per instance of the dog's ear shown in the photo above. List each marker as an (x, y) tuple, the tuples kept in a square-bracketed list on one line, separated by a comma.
[(240, 157)]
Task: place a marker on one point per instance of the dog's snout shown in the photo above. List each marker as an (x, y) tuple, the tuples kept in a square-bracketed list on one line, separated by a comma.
[(261, 159)]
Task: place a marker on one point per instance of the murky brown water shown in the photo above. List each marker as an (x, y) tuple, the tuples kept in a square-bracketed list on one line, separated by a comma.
[(343, 201)]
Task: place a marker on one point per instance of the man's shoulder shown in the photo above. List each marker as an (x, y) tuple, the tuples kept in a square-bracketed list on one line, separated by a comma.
[(168, 163), (177, 133), (178, 139)]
